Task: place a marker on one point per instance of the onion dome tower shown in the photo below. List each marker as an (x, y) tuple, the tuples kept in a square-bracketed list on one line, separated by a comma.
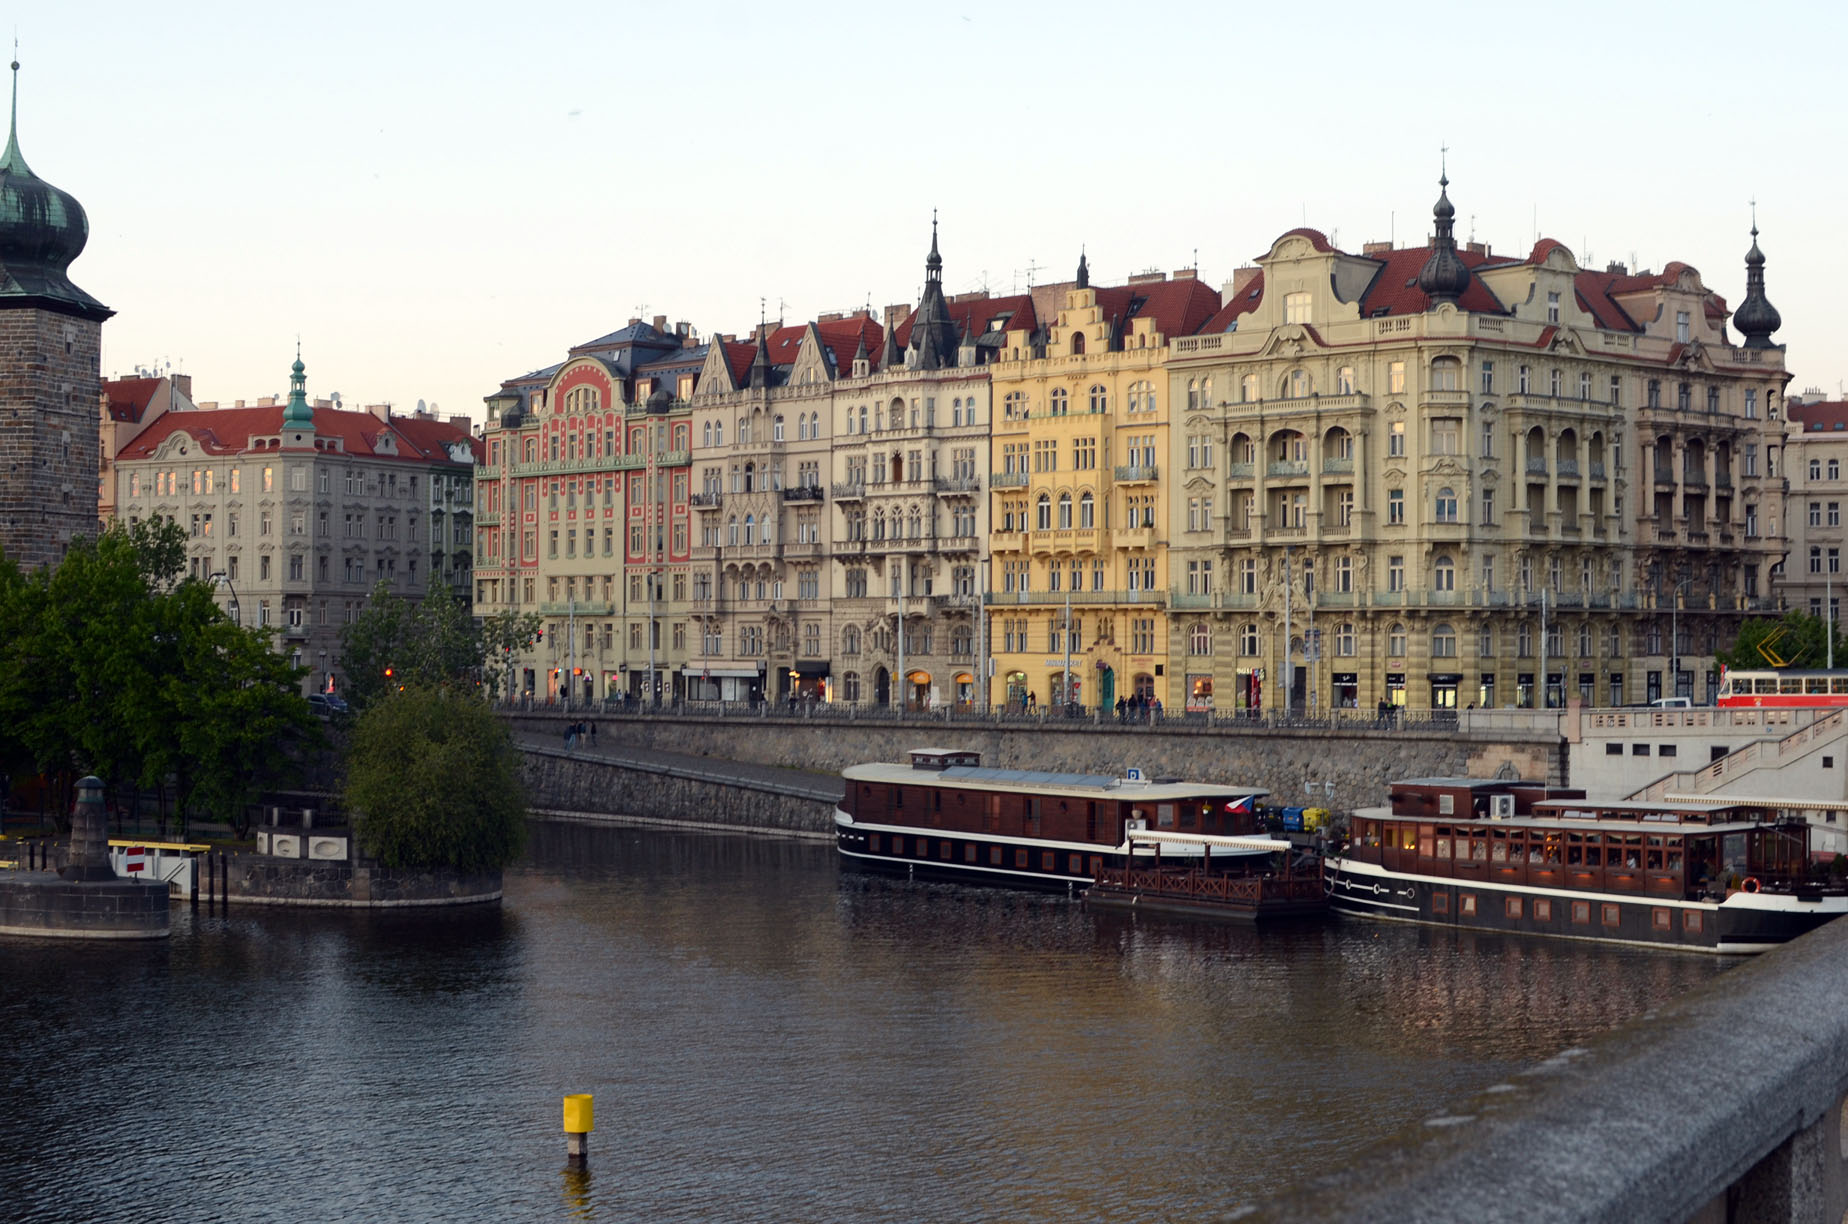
[(299, 414), (1756, 317), (42, 231), (1444, 276)]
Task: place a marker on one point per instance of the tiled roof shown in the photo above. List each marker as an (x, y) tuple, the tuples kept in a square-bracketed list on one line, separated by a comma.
[(129, 397), (842, 338), (1316, 238), (1820, 416), (227, 431), (738, 354), (974, 314), (1596, 297), (1395, 291), (1241, 303)]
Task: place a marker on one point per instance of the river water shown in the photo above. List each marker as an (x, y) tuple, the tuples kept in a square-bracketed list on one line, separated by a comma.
[(767, 1040)]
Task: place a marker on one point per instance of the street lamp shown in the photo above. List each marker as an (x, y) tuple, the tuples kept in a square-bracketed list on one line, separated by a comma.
[(1674, 638), (218, 577)]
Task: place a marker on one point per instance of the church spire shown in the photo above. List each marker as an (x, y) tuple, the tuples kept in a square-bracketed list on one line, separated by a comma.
[(933, 333), (933, 263), (300, 413), (14, 161), (1084, 271), (1756, 317), (1444, 276)]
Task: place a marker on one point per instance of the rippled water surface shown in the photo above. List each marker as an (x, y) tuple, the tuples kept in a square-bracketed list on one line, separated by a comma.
[(767, 1040)]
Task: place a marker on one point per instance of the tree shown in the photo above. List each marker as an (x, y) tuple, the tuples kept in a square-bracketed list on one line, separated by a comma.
[(433, 781), (1797, 638), (394, 644)]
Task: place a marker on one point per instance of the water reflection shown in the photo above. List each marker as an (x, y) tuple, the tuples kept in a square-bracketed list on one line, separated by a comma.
[(766, 1040)]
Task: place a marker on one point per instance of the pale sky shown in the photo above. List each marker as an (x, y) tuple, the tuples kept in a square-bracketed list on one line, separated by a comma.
[(439, 197)]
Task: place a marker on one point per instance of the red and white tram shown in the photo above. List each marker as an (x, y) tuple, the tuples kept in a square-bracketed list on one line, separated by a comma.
[(1786, 688)]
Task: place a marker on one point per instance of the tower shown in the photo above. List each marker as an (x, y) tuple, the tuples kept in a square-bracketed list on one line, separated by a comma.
[(933, 335), (1444, 276), (50, 366), (1756, 317), (298, 417)]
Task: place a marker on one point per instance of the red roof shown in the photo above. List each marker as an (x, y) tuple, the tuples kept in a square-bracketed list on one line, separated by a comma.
[(1545, 247), (1597, 296), (1177, 307), (1395, 290), (1819, 416), (227, 431), (738, 354), (1241, 303), (129, 397), (843, 338), (1316, 237), (972, 315)]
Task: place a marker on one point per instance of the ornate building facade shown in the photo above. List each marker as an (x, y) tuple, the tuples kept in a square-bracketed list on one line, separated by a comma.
[(1435, 476), (1079, 510), (1816, 463)]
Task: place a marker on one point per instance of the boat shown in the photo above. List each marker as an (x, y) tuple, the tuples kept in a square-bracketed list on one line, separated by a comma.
[(1710, 875), (1262, 877), (943, 816)]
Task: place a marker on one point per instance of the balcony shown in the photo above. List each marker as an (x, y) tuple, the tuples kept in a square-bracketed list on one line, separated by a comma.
[(1355, 402), (959, 543), (1338, 467), (586, 607), (1286, 533), (707, 501), (1287, 467), (1435, 397), (1008, 541), (1568, 469), (1008, 599), (1240, 471), (799, 552), (1665, 476), (849, 491), (1008, 480), (1536, 467), (1597, 469), (1133, 473), (959, 484), (1133, 537), (802, 493)]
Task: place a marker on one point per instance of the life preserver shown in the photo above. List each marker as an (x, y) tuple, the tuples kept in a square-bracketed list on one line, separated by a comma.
[(1749, 884)]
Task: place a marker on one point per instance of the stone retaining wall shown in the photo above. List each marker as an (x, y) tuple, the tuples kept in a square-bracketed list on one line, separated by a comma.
[(1360, 763), (560, 782), (262, 880)]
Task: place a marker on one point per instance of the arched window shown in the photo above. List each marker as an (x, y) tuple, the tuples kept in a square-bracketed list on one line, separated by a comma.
[(956, 411), (1446, 505), (1206, 393), (1100, 399), (1087, 511), (850, 640), (1043, 516), (862, 418), (750, 529), (1447, 374), (1344, 380), (1443, 642), (1065, 511), (1248, 389), (1199, 639), (750, 477), (879, 525), (1344, 639), (814, 424), (917, 526), (1248, 639), (1014, 407), (801, 428), (731, 530), (1060, 403), (850, 686), (718, 433), (1298, 384), (1193, 393), (1444, 574), (1395, 641), (706, 434), (776, 428), (1077, 344)]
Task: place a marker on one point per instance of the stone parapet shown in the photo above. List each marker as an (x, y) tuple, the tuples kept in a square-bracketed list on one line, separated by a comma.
[(40, 903), (263, 880)]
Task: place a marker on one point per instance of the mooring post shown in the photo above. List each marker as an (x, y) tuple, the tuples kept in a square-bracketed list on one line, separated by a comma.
[(579, 1122)]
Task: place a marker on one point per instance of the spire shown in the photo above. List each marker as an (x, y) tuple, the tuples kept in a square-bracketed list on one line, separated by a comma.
[(14, 162), (1084, 271), (300, 413), (933, 334), (933, 263), (1756, 317), (1444, 276)]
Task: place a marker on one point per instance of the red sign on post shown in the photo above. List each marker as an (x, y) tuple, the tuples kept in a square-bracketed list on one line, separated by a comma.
[(134, 859)]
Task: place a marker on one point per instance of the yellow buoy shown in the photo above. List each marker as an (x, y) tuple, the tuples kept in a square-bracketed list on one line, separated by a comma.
[(579, 1122)]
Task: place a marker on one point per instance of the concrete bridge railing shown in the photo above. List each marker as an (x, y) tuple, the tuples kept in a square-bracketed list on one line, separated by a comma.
[(1725, 1107)]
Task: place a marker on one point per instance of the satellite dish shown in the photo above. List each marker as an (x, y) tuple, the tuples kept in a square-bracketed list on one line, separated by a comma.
[(420, 406)]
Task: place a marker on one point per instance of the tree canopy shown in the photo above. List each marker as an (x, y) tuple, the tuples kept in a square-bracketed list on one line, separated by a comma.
[(112, 664), (433, 780), (436, 643), (1797, 638)]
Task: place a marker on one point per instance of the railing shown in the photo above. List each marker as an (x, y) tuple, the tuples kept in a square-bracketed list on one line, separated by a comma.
[(959, 484), (1536, 467), (1240, 471), (1008, 480), (1618, 1129), (1287, 467), (707, 499), (1194, 885), (1337, 467), (1003, 599), (1133, 473), (849, 491), (1568, 469), (802, 493)]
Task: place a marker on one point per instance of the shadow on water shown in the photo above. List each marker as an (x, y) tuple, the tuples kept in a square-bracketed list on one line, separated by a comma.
[(767, 1039)]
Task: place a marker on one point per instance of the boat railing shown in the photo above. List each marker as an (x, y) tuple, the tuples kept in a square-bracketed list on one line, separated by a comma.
[(1237, 889)]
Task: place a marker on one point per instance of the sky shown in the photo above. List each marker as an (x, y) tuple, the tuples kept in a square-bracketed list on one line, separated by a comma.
[(438, 198)]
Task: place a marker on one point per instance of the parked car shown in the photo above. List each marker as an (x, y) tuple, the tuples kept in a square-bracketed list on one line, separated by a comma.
[(1671, 703), (327, 705)]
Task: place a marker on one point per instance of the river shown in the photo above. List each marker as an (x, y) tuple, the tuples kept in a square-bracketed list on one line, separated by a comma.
[(767, 1039)]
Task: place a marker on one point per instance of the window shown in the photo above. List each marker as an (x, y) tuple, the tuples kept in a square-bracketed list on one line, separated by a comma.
[(1466, 904), (1248, 639), (1395, 573), (1444, 574), (1681, 327), (1444, 642), (1296, 308), (1446, 505), (1552, 307), (1488, 507), (1395, 439), (1199, 640), (1395, 378), (1395, 641), (1395, 506), (1511, 907)]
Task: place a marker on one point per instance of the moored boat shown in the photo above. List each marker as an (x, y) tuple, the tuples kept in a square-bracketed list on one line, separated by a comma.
[(943, 816), (1709, 875)]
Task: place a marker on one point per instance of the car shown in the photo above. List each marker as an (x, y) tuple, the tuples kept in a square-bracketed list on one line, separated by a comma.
[(1672, 703), (337, 703), (319, 706)]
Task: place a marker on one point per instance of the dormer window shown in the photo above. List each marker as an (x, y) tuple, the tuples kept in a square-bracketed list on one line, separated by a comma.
[(1296, 308)]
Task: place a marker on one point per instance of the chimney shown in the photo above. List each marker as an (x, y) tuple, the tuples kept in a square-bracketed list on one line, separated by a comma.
[(183, 384), (1148, 278), (239, 404), (1376, 248), (633, 322), (660, 323), (268, 401), (381, 411), (1242, 278), (898, 313), (460, 422), (1479, 248), (1187, 274), (1617, 267)]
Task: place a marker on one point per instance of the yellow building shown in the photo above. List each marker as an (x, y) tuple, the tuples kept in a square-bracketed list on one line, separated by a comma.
[(1079, 515)]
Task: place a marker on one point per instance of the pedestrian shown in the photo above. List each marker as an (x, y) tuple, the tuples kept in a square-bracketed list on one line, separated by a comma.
[(1032, 701), (1121, 706), (593, 733), (1155, 709)]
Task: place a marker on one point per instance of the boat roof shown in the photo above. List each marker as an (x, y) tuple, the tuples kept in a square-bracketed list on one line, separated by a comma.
[(1561, 823), (1228, 841), (1044, 782)]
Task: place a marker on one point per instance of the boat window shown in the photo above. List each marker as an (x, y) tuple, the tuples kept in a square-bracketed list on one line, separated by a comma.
[(1543, 909), (1164, 815), (1046, 860), (994, 856), (1691, 921), (1020, 859), (1369, 833), (1479, 849), (1075, 864), (1408, 837), (1187, 816), (1673, 861), (1466, 905), (1511, 906), (1097, 865), (1552, 849), (923, 847), (1581, 912), (875, 843), (1660, 919), (1443, 847), (1500, 853), (1613, 915), (1440, 902), (1575, 849), (944, 850), (969, 853), (1594, 854)]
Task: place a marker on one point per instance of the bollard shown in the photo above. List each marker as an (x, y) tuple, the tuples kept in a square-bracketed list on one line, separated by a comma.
[(578, 1125)]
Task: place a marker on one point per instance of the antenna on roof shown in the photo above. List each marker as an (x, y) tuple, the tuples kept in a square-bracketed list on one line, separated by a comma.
[(1392, 228), (1472, 227), (1032, 267)]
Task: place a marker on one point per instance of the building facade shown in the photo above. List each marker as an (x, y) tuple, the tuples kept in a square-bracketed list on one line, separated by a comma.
[(1435, 477), (583, 514), (50, 367), (299, 511), (130, 405), (1815, 456), (1079, 570)]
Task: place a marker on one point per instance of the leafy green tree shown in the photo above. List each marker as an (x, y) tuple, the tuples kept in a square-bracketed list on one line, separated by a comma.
[(1799, 639), (433, 780), (395, 643)]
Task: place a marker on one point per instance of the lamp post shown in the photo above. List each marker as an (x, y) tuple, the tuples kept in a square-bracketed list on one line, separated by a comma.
[(220, 577), (1674, 638)]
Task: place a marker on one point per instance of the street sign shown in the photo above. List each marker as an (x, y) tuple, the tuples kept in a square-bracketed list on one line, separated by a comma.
[(135, 859)]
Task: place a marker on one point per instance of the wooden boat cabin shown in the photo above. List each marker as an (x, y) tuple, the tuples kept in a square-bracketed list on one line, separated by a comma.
[(1529, 857), (944, 815)]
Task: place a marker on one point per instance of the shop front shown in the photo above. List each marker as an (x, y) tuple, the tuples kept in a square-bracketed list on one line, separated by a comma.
[(1344, 690), (724, 684), (1395, 689), (1444, 690), (920, 693), (1199, 693), (965, 690), (1017, 690), (809, 680), (1485, 691)]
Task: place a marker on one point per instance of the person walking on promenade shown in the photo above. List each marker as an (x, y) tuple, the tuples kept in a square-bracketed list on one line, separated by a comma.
[(1032, 702)]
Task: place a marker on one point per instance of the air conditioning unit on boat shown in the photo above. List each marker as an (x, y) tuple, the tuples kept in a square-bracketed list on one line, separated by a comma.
[(1501, 807)]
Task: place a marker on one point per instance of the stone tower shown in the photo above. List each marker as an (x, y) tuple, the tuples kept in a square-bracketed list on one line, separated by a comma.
[(50, 366)]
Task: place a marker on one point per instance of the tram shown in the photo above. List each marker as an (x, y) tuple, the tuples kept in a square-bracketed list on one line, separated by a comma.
[(1786, 688)]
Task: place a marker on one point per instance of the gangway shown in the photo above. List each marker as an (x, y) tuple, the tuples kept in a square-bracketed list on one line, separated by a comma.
[(175, 864)]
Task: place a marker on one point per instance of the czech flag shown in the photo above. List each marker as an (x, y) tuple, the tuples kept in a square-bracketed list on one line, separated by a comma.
[(1243, 805)]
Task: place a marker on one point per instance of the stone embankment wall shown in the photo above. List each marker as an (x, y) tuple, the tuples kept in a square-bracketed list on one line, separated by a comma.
[(562, 783), (1360, 763), (262, 880)]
